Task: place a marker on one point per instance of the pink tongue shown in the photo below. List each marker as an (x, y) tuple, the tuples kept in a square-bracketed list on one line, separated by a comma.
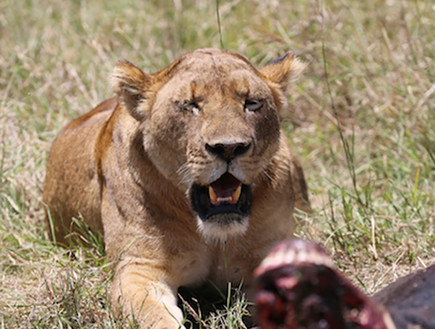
[(225, 186)]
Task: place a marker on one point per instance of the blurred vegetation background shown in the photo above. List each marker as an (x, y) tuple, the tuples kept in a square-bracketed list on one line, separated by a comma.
[(361, 119)]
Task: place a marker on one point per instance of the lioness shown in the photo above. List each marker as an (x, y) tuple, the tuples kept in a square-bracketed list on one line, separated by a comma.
[(185, 172)]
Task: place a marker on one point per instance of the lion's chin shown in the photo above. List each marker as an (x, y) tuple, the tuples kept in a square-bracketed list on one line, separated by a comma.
[(220, 227)]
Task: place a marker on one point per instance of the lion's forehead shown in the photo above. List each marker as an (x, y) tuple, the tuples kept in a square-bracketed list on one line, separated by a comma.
[(211, 65), (213, 73), (208, 83), (214, 60)]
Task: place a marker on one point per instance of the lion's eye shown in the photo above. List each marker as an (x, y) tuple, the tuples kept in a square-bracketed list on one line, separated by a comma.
[(253, 104), (191, 107)]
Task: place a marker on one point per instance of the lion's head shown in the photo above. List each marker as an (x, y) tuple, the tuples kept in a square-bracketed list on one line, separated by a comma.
[(210, 125)]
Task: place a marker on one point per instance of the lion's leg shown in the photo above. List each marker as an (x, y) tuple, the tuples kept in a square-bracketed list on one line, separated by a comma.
[(140, 294)]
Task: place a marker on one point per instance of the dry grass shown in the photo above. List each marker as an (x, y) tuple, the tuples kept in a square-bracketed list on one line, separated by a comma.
[(362, 121)]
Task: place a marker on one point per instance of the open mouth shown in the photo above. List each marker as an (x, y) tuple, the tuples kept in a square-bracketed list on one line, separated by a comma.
[(225, 195)]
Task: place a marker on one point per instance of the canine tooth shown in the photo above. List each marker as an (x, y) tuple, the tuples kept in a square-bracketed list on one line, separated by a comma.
[(212, 195), (236, 194)]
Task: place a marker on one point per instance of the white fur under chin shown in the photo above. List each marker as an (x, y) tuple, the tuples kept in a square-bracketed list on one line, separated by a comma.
[(220, 232)]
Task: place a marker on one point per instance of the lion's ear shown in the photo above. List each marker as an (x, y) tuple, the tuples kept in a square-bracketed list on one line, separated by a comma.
[(130, 85), (283, 70)]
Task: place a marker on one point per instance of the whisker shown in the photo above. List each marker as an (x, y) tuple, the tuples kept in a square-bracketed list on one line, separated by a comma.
[(269, 177), (184, 172)]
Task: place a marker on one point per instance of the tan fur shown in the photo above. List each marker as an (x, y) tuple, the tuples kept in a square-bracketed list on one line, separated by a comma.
[(127, 167)]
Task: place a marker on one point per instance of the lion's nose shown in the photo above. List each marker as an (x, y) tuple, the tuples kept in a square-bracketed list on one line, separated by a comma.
[(227, 151)]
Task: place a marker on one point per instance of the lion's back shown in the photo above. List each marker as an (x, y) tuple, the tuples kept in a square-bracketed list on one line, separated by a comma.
[(71, 186)]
